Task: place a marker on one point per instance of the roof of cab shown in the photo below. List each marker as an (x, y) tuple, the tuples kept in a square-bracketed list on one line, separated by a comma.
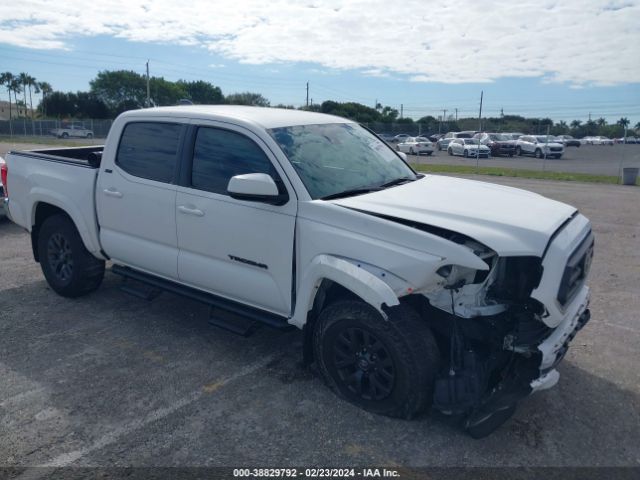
[(262, 116)]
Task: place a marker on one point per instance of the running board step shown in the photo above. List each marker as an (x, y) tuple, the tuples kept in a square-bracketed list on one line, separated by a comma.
[(139, 289), (232, 322), (224, 312)]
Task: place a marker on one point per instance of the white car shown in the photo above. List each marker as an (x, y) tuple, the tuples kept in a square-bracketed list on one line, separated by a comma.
[(468, 147), (72, 131), (540, 146), (410, 290), (415, 146)]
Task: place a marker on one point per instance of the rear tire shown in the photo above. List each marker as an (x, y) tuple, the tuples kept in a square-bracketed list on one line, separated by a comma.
[(387, 367), (68, 267), (64, 135), (450, 152), (89, 135), (538, 153), (465, 154), (518, 151)]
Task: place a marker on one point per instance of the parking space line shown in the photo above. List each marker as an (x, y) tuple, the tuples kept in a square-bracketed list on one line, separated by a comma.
[(68, 458)]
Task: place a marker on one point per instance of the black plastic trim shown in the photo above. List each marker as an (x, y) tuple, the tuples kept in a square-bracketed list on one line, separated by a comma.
[(271, 319)]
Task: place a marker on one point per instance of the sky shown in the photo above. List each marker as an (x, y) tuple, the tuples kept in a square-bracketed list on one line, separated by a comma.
[(563, 59)]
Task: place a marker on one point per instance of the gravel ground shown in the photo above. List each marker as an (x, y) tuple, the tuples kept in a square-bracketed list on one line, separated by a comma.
[(112, 380)]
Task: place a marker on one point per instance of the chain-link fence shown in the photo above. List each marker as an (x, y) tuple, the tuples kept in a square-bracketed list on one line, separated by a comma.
[(25, 127)]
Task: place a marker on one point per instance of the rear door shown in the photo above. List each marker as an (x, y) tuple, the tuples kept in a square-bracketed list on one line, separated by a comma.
[(136, 198), (237, 249)]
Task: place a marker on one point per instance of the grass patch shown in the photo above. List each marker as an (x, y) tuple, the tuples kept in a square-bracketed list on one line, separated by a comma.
[(514, 172)]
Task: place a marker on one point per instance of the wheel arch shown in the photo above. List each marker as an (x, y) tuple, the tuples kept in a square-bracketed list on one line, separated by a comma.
[(44, 209), (330, 278)]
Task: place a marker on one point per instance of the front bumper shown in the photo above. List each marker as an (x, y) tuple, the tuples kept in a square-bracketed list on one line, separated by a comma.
[(555, 347)]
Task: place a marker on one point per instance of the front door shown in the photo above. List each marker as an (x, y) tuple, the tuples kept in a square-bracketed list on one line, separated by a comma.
[(237, 249)]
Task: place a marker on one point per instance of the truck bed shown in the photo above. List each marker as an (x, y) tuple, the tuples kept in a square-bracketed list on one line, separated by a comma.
[(63, 178), (79, 156)]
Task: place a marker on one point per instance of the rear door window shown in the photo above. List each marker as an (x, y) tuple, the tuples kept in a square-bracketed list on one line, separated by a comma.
[(150, 150)]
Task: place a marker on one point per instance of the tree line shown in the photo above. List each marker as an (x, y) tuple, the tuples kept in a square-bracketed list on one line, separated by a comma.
[(113, 92)]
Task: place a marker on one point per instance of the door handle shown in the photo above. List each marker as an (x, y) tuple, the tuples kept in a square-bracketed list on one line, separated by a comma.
[(191, 211), (112, 192)]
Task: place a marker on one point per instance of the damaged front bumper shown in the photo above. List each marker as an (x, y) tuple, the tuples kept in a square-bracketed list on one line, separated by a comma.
[(555, 347)]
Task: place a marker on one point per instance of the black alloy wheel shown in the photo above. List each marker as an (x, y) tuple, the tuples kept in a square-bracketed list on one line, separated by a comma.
[(363, 364), (60, 257)]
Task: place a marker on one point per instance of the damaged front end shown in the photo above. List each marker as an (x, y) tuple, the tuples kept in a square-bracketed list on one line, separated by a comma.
[(499, 341)]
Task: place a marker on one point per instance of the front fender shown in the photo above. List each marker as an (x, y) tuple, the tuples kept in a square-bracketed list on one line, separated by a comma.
[(363, 283)]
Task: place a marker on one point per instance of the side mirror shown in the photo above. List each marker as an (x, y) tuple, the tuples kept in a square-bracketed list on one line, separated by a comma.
[(256, 187), (402, 155)]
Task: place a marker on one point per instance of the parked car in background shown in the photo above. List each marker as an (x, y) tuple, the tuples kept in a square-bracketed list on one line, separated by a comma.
[(435, 137), (3, 175), (74, 130), (539, 146), (416, 146), (387, 137), (498, 143), (468, 147), (443, 142), (401, 137), (568, 141), (598, 140), (627, 140), (514, 135)]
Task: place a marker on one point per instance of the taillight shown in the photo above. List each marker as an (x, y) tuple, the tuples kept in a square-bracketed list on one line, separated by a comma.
[(3, 174)]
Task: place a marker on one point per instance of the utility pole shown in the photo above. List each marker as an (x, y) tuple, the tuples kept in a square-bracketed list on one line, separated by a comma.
[(480, 115), (401, 110), (307, 94), (148, 95), (444, 115), (456, 115)]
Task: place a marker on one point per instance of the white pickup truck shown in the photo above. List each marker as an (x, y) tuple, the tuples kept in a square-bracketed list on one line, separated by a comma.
[(411, 290)]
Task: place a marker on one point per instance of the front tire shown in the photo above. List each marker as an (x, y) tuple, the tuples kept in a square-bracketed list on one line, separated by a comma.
[(518, 151), (465, 154), (450, 151), (387, 367), (68, 267)]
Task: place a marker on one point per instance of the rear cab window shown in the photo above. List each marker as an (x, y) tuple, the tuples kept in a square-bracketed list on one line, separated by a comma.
[(150, 150)]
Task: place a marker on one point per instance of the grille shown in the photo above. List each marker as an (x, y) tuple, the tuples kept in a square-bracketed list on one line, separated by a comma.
[(576, 270)]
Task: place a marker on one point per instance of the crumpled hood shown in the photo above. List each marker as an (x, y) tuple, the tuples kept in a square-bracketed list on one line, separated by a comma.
[(508, 220)]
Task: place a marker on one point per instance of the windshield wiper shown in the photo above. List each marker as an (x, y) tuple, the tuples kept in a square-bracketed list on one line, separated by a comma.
[(398, 181), (351, 192)]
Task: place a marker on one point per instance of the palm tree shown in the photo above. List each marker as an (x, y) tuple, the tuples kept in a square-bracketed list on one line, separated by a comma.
[(46, 89), (601, 122), (563, 126), (6, 79), (575, 123), (623, 122), (31, 83), (24, 80)]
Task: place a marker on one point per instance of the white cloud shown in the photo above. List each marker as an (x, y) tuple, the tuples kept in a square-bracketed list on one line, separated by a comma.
[(581, 42)]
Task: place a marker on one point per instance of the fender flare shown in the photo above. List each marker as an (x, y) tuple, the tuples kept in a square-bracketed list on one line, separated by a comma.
[(39, 196), (365, 285)]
